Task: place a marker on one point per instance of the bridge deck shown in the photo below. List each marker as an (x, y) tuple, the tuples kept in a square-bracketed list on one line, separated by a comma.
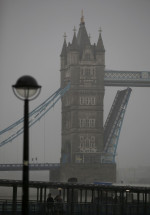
[(32, 166), (127, 78)]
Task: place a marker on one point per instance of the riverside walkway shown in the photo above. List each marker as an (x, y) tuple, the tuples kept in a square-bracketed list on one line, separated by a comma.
[(80, 199)]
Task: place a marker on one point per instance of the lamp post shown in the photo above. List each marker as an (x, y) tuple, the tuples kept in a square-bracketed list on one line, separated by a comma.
[(26, 89)]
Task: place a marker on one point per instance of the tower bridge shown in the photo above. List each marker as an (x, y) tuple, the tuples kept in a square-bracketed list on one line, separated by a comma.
[(88, 149)]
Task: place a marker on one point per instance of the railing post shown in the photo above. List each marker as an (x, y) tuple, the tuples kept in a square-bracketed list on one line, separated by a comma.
[(138, 202), (14, 199), (37, 194), (44, 194), (122, 201), (41, 194), (145, 203), (72, 202)]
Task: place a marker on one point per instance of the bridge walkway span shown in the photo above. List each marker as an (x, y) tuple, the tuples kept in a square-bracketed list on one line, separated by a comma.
[(32, 166)]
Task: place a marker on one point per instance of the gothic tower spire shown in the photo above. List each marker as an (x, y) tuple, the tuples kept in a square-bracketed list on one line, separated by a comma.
[(82, 17), (82, 36)]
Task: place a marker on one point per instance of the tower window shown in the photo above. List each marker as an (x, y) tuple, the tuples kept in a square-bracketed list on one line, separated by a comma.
[(91, 123), (87, 73), (87, 144), (87, 100), (87, 123)]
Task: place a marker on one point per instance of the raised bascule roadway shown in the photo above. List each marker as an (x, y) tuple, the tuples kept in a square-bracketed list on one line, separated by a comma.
[(114, 78)]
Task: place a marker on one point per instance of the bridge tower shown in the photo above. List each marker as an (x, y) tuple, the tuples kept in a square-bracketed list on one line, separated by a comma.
[(83, 64)]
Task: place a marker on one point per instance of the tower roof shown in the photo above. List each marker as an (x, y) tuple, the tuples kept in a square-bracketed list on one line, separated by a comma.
[(81, 43), (82, 37)]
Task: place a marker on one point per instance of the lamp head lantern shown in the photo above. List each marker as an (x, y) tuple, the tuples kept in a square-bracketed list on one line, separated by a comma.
[(26, 88)]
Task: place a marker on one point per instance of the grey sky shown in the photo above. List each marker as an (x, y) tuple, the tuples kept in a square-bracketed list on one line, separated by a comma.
[(31, 39)]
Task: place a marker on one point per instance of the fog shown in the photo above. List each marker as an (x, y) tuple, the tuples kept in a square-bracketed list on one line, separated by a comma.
[(31, 39)]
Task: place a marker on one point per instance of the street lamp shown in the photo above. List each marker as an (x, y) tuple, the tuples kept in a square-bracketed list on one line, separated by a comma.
[(26, 88)]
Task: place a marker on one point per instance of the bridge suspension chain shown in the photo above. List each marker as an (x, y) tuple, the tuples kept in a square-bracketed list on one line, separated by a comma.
[(13, 131)]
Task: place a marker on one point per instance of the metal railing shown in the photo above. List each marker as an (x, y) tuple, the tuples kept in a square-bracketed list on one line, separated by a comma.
[(82, 199), (109, 207)]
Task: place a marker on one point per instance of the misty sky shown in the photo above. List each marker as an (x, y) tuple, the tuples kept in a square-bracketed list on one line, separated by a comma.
[(31, 39)]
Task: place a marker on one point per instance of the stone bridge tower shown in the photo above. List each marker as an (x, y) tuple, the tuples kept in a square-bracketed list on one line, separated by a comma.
[(83, 64)]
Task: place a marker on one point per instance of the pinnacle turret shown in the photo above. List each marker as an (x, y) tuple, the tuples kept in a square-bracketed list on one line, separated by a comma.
[(64, 48), (100, 46), (74, 45)]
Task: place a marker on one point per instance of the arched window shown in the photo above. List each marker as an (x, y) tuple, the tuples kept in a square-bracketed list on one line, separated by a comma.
[(87, 144), (87, 100)]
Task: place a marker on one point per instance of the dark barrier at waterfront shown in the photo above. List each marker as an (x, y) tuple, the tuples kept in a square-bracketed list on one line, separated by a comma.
[(109, 208), (81, 199)]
